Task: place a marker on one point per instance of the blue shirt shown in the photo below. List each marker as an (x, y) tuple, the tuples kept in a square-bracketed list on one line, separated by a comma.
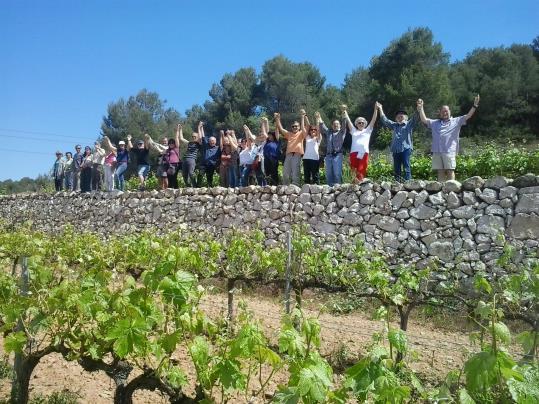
[(402, 133), (271, 150)]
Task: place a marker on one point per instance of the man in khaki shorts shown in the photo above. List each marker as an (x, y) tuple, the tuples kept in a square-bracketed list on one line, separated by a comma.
[(445, 138)]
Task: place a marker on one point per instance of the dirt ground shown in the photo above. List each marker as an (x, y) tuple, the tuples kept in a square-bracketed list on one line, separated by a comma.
[(434, 350)]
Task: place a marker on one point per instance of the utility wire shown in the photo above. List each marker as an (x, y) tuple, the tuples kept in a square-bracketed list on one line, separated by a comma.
[(41, 133), (24, 151), (38, 139)]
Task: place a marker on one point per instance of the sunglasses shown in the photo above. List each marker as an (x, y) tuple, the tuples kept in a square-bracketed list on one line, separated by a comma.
[(295, 126), (360, 123)]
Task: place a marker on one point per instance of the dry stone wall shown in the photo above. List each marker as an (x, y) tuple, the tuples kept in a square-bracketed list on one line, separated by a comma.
[(463, 225)]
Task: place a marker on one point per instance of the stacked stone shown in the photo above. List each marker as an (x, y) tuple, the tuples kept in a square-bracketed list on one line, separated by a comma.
[(462, 225)]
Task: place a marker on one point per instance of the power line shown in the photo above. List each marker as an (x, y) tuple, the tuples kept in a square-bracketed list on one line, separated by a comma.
[(25, 151), (41, 133), (34, 138)]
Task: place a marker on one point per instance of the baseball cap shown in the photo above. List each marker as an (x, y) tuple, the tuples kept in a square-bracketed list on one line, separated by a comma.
[(400, 111), (140, 142), (121, 142)]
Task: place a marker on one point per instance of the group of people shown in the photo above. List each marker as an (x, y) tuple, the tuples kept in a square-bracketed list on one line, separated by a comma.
[(255, 158)]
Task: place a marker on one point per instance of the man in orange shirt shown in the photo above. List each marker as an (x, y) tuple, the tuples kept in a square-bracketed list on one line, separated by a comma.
[(294, 149)]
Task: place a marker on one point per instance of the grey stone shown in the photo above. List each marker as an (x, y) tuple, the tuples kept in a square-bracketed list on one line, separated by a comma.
[(528, 180), (453, 200), (528, 203), (402, 214), (383, 199), (495, 210), (388, 224), (436, 199), (421, 198), (304, 198), (443, 250), (506, 203), (390, 240), (414, 185), (423, 212), (524, 226), (529, 190), (488, 195), (472, 225), (469, 198), (472, 183), (508, 192), (497, 182), (403, 235), (451, 186), (367, 198), (433, 186), (398, 199), (464, 212), (492, 225)]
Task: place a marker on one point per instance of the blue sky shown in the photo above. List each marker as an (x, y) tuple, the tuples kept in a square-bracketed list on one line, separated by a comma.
[(63, 62)]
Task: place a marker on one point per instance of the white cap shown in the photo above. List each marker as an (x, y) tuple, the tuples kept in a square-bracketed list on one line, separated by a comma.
[(121, 142)]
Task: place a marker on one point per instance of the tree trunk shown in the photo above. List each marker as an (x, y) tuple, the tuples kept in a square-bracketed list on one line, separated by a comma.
[(404, 315), (23, 369), (230, 288)]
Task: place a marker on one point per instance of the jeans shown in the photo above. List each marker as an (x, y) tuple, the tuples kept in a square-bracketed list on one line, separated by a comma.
[(333, 169), (120, 170), (68, 180), (402, 160), (232, 175), (311, 171), (109, 177), (292, 168), (173, 179), (188, 171)]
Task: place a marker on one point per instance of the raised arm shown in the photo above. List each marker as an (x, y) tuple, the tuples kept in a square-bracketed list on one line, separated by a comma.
[(374, 115), (265, 126), (278, 124), (129, 144), (303, 124), (248, 133), (98, 149), (473, 108), (201, 135), (347, 118), (147, 139), (385, 120), (421, 112), (179, 134), (152, 144), (321, 125), (108, 144), (233, 140)]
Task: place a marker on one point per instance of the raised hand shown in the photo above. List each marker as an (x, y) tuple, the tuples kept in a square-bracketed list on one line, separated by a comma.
[(264, 119), (344, 107), (377, 105), (476, 101), (129, 137), (419, 104), (245, 128), (179, 127), (302, 112), (277, 115), (222, 132)]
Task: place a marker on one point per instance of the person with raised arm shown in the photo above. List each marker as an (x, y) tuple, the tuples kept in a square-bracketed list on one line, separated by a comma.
[(122, 160), (162, 165), (258, 151), (190, 158), (271, 152), (311, 158), (142, 153), (211, 156), (445, 137), (294, 149), (334, 139), (98, 159), (227, 169), (109, 166), (401, 141), (361, 135)]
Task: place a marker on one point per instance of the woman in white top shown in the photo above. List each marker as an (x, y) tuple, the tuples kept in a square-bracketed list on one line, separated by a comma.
[(311, 158), (361, 135)]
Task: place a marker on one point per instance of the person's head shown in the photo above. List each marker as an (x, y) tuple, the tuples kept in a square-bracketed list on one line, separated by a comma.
[(58, 155), (243, 143), (171, 143), (360, 123), (121, 145), (226, 140), (336, 125), (445, 112), (295, 127), (78, 148), (140, 144), (69, 156), (401, 116), (212, 141), (194, 137), (271, 137), (313, 131), (164, 141), (87, 150)]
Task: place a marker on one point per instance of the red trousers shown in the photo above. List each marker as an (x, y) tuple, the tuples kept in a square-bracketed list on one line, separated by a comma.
[(359, 166)]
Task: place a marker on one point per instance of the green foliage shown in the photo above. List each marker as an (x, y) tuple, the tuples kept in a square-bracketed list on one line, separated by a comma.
[(58, 397)]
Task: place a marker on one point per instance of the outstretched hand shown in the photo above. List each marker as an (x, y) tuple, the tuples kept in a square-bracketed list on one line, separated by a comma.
[(277, 115), (476, 101), (179, 127), (377, 105), (419, 104), (129, 137), (302, 112)]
